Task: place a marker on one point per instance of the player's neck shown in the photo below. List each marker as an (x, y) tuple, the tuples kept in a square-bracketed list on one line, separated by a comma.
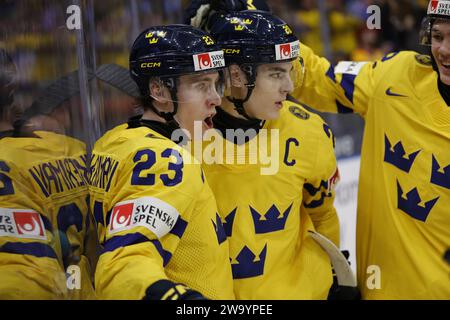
[(150, 115)]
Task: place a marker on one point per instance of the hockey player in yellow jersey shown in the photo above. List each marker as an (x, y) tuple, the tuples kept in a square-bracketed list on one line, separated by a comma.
[(403, 222), (43, 214), (267, 212), (44, 218), (156, 216)]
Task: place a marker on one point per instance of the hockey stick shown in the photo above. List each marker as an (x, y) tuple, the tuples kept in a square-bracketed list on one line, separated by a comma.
[(118, 77), (344, 273), (58, 92)]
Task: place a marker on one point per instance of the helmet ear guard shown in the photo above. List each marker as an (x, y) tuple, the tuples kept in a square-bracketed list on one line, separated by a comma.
[(249, 82), (158, 90), (239, 75)]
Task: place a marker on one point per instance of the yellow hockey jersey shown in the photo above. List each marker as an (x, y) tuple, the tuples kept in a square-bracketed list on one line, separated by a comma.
[(156, 217), (44, 218), (276, 187), (403, 221)]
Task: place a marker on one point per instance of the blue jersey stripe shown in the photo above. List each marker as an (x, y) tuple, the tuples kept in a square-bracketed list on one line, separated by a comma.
[(35, 249), (135, 238)]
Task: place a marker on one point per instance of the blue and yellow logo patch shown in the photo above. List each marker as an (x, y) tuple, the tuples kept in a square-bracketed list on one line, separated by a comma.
[(299, 113), (423, 59)]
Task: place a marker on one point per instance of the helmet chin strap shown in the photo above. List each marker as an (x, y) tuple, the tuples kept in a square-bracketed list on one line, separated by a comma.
[(250, 72), (239, 103)]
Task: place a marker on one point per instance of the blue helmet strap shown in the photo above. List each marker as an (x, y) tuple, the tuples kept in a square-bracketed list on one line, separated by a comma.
[(250, 72)]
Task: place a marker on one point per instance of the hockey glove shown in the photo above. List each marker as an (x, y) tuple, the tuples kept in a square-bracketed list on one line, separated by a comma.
[(340, 292), (168, 290), (197, 13), (200, 12)]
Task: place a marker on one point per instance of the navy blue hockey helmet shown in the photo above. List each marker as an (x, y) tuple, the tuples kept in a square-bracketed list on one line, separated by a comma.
[(253, 37), (167, 52), (171, 51)]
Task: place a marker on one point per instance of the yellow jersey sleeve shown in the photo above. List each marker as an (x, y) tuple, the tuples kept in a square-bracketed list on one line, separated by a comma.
[(318, 190), (344, 88), (147, 211)]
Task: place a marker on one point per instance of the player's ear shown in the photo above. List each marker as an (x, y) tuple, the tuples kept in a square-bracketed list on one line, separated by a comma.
[(237, 76), (158, 91)]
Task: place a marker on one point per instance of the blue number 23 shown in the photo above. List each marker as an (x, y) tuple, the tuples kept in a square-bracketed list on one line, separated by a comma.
[(150, 157)]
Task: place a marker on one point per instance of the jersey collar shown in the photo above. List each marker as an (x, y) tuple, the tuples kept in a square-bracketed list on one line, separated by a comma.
[(223, 120), (164, 129)]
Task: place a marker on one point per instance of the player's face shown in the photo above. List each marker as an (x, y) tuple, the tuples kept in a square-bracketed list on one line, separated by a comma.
[(198, 99), (440, 47), (273, 83)]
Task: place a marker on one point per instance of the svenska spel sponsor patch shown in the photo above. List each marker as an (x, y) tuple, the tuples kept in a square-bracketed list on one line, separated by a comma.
[(439, 7), (21, 223), (209, 60), (287, 50), (152, 213)]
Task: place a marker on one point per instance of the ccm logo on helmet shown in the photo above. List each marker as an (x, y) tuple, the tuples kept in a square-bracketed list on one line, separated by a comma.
[(232, 51), (145, 65), (287, 51), (209, 60)]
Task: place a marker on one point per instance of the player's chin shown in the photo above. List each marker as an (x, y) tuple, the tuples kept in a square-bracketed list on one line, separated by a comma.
[(273, 114), (445, 75)]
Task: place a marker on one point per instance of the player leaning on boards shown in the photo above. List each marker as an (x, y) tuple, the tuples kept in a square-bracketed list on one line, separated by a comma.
[(267, 217), (156, 215)]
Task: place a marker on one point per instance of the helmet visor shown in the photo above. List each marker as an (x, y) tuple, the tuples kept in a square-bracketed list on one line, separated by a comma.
[(192, 87)]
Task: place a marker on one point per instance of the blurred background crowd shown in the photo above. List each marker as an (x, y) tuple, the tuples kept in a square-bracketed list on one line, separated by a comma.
[(35, 25)]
